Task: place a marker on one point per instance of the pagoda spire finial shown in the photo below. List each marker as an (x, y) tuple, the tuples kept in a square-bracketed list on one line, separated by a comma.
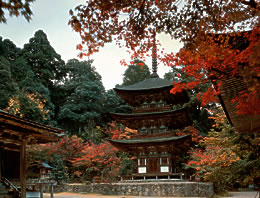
[(154, 58)]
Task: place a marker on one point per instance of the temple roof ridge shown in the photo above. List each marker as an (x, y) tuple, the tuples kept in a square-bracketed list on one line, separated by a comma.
[(148, 83)]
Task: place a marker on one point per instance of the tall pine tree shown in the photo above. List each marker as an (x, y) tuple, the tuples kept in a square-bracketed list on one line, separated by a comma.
[(83, 106)]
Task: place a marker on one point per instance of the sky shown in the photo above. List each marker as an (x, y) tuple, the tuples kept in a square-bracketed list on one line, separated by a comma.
[(52, 17)]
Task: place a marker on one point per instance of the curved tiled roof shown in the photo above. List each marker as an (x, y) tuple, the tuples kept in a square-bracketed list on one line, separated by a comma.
[(150, 140), (148, 83)]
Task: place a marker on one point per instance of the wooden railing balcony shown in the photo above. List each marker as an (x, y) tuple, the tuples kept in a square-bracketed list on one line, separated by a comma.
[(145, 176), (162, 134), (152, 109)]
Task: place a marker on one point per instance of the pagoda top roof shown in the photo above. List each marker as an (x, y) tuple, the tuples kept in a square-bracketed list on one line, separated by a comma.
[(151, 140), (148, 83)]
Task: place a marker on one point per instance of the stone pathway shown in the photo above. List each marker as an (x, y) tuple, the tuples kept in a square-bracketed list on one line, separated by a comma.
[(247, 194)]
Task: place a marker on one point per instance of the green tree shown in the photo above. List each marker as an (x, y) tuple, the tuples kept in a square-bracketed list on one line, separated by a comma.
[(136, 72), (83, 107), (30, 98), (8, 87), (44, 61), (47, 71), (8, 49)]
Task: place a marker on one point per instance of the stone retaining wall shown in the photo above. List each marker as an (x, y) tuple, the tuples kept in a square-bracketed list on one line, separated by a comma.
[(153, 189)]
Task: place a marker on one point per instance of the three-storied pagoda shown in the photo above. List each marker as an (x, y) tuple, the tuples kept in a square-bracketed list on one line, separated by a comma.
[(156, 115)]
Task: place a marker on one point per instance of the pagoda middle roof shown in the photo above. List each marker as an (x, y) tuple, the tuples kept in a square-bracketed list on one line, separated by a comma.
[(148, 83), (150, 113), (175, 118)]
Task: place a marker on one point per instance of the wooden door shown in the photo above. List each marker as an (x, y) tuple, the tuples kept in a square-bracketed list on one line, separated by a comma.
[(153, 165)]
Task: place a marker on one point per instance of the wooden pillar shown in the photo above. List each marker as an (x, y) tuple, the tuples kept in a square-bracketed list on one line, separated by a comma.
[(136, 162), (1, 163), (23, 169), (41, 190), (51, 190)]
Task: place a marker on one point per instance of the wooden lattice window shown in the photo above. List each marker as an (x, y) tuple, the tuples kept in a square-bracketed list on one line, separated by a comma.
[(141, 162), (164, 161)]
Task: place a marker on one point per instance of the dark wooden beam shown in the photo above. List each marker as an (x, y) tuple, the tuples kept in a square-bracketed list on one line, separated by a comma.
[(26, 130), (32, 136), (10, 148), (7, 140), (23, 169)]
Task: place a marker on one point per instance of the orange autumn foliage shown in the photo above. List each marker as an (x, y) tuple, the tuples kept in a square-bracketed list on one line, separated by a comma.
[(82, 159), (190, 130), (217, 154), (120, 134), (98, 160)]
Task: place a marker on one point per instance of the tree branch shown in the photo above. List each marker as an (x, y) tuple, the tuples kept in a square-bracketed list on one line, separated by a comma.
[(141, 9), (251, 3)]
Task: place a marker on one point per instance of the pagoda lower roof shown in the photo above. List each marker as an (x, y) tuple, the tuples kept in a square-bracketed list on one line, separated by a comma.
[(174, 118), (168, 144), (148, 83), (151, 140)]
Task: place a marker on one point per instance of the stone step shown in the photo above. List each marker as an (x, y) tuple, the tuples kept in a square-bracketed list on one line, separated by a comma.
[(4, 189), (4, 192), (32, 194)]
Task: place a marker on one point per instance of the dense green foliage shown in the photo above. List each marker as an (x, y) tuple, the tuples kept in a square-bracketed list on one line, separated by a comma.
[(37, 84), (8, 87), (46, 64), (83, 107), (136, 72)]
